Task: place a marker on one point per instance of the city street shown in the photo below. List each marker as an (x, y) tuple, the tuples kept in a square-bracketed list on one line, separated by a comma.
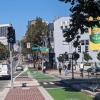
[(53, 84), (4, 81), (3, 84), (50, 50)]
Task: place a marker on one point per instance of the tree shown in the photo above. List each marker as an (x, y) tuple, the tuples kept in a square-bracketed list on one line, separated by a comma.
[(87, 57), (3, 52), (35, 35), (81, 10), (37, 31), (98, 56), (63, 57)]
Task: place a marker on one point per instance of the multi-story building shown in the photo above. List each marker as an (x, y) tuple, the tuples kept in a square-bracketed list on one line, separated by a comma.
[(3, 33), (60, 46)]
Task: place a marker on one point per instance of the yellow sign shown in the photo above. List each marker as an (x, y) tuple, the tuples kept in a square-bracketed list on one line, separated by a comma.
[(94, 38)]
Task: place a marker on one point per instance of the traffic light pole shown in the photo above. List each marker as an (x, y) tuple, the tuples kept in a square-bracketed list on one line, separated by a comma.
[(10, 49)]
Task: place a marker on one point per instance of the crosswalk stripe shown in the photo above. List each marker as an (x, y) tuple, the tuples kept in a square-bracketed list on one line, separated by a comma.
[(45, 83), (51, 82)]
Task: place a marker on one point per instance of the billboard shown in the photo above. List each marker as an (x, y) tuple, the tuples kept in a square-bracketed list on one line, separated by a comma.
[(94, 38)]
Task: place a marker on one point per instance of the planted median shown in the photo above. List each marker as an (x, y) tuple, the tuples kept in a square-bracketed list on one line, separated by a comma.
[(67, 94), (40, 76)]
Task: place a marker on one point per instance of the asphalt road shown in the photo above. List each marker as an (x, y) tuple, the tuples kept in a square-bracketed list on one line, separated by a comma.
[(3, 84), (53, 84), (4, 81)]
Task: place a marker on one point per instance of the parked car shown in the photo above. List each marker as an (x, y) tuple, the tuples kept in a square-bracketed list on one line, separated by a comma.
[(19, 68), (5, 71), (91, 70)]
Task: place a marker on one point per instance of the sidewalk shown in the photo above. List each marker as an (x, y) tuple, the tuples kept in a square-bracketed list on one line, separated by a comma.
[(68, 74), (32, 90)]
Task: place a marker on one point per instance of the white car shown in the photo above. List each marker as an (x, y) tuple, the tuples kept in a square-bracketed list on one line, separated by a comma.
[(19, 68), (4, 71)]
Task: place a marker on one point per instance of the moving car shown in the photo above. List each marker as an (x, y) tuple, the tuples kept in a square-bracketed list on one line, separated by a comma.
[(19, 68)]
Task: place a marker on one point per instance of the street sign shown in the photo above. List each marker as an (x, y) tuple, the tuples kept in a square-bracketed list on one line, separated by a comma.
[(35, 48), (28, 45), (42, 49)]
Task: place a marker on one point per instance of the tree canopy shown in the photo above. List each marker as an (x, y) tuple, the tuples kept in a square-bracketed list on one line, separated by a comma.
[(98, 56), (37, 31), (81, 10), (35, 34), (3, 52), (87, 57)]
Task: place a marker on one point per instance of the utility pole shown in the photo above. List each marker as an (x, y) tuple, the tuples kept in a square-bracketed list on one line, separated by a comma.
[(11, 67), (11, 40)]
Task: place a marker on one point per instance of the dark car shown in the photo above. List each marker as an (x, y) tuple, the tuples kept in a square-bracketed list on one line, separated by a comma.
[(91, 70)]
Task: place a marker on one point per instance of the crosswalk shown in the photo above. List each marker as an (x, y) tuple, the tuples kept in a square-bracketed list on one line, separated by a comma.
[(48, 83), (53, 84)]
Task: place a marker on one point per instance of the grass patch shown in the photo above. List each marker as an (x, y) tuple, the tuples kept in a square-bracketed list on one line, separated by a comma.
[(41, 76), (64, 94)]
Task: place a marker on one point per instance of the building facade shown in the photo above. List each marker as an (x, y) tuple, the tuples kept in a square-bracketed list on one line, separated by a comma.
[(60, 46), (3, 33)]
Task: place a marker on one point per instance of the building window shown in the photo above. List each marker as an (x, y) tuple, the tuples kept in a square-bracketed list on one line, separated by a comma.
[(79, 48), (82, 42), (66, 27), (86, 49), (86, 30), (61, 27), (87, 42)]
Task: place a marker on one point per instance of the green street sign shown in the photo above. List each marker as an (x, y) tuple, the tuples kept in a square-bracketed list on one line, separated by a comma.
[(44, 49), (35, 48)]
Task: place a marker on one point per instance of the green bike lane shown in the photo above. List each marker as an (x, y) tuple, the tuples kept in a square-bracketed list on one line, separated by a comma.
[(56, 88)]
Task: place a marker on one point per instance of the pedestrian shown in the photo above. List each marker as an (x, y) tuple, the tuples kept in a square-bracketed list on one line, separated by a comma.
[(93, 69), (60, 69), (65, 69), (81, 69), (69, 66), (44, 66)]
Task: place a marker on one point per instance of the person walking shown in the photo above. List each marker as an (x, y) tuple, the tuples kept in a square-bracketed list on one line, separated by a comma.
[(60, 69), (44, 66), (65, 69), (81, 69)]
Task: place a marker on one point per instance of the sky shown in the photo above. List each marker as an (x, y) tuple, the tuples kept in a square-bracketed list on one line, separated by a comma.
[(19, 12)]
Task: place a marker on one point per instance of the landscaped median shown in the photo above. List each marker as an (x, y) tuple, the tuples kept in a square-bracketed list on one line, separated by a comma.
[(40, 76), (59, 93), (67, 94)]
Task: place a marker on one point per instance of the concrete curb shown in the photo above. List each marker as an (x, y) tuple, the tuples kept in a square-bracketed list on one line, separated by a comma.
[(46, 95)]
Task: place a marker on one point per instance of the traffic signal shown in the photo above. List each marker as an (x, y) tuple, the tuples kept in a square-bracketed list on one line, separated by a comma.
[(11, 35), (66, 56), (79, 48), (75, 56)]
